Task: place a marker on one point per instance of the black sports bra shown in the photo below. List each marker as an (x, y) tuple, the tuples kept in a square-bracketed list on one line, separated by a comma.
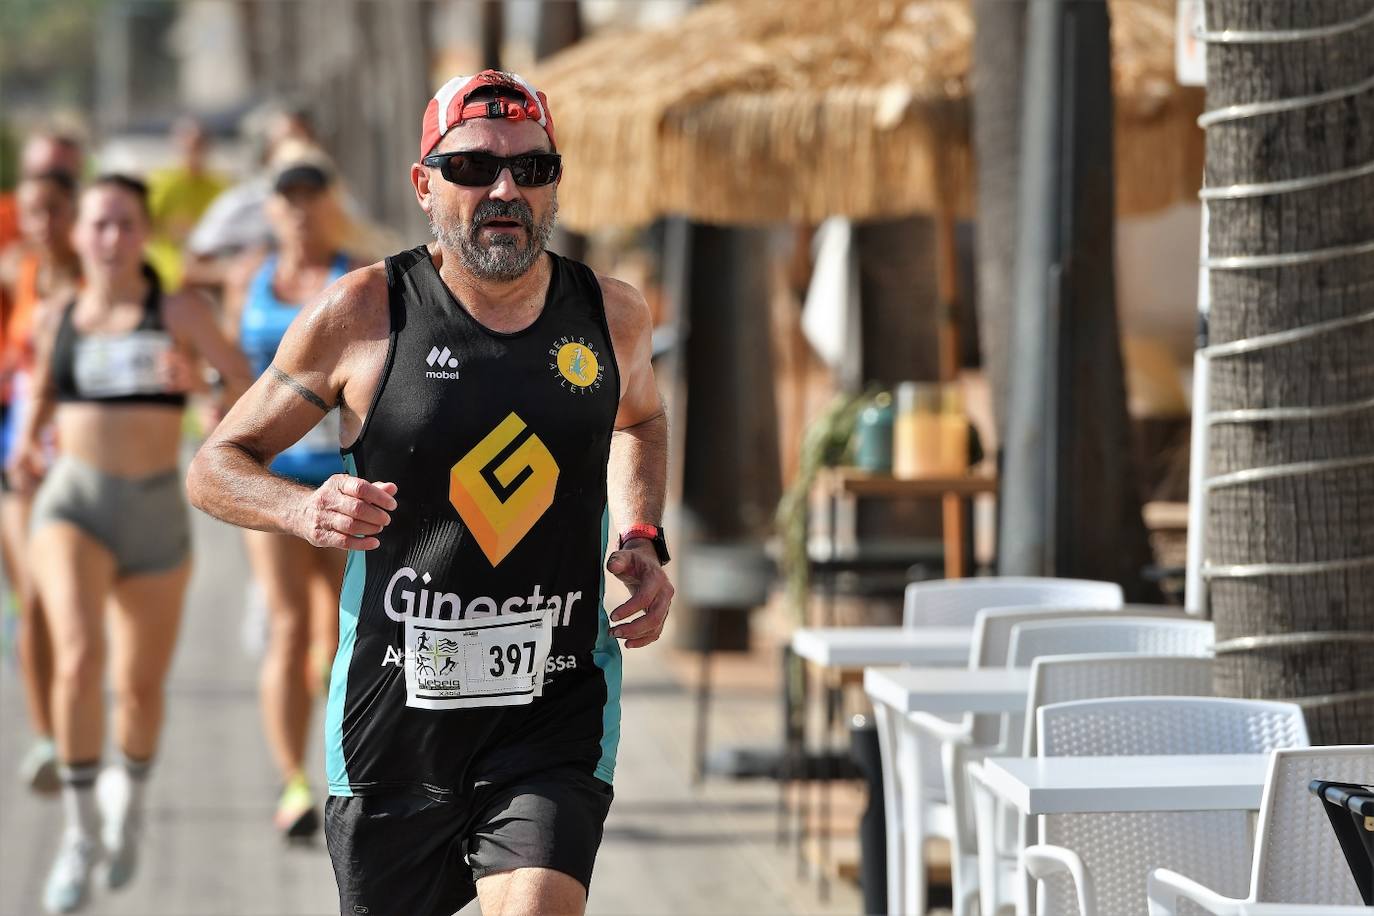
[(115, 368)]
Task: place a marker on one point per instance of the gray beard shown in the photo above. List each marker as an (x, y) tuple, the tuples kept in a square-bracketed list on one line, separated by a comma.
[(501, 259)]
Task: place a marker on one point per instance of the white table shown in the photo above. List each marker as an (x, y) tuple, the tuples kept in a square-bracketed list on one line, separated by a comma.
[(949, 691), (843, 651), (859, 647), (1301, 909), (1091, 785)]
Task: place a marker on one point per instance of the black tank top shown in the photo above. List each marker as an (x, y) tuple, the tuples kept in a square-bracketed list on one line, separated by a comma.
[(115, 368), (498, 445)]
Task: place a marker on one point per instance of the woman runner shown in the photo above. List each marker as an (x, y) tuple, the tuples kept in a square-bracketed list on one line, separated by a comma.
[(301, 582), (109, 522)]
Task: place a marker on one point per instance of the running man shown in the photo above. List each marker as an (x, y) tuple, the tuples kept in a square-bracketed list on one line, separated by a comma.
[(498, 408)]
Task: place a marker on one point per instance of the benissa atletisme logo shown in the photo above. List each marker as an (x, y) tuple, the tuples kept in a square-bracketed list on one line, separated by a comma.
[(577, 365), (503, 486)]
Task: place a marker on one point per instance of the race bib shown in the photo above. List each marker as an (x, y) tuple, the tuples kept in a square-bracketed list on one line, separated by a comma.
[(485, 661), (118, 366), (322, 438)]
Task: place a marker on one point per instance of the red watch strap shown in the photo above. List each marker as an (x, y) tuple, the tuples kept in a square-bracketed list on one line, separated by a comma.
[(648, 532)]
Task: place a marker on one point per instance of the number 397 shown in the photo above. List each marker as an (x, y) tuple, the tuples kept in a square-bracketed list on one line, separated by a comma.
[(506, 660)]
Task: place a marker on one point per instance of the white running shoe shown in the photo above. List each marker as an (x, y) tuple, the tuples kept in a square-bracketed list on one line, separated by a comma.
[(70, 878), (120, 825)]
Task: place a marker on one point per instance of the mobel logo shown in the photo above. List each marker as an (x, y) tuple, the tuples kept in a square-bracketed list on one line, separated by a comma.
[(503, 486)]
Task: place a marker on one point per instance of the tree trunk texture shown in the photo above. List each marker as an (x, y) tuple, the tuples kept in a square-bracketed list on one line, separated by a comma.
[(367, 117), (560, 26), (998, 49), (1299, 518), (899, 301), (1071, 497), (493, 13), (732, 477)]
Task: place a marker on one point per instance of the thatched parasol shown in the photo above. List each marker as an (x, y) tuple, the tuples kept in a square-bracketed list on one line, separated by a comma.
[(752, 111)]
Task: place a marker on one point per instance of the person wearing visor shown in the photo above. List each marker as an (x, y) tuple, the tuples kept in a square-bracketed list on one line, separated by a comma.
[(500, 419), (300, 582), (109, 535)]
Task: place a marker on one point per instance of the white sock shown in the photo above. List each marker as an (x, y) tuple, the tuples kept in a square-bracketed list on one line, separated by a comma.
[(138, 772), (78, 798)]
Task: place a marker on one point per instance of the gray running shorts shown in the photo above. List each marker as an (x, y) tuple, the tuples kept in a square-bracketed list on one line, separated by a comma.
[(142, 520)]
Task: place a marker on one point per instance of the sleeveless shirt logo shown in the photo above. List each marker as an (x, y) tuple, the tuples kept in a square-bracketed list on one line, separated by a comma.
[(577, 365), (503, 486)]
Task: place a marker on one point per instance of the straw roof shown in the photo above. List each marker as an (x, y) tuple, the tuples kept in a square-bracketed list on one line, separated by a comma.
[(753, 111)]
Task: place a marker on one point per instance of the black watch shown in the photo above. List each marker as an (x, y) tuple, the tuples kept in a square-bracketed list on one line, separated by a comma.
[(651, 533)]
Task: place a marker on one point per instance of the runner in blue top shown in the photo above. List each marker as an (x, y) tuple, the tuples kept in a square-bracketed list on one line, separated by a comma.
[(300, 582)]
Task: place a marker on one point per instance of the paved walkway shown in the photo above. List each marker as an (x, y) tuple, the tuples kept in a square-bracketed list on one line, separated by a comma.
[(210, 850)]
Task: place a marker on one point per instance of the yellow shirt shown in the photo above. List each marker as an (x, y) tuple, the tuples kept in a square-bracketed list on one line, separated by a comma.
[(177, 199)]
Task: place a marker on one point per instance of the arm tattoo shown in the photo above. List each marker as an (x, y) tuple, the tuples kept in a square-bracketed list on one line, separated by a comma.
[(300, 389)]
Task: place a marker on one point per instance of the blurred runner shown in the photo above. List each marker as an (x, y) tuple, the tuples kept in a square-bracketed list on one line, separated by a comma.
[(301, 581), (34, 274), (177, 198), (236, 221), (109, 523), (484, 387)]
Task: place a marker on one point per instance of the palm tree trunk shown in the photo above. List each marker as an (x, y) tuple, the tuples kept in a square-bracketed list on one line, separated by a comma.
[(1311, 514)]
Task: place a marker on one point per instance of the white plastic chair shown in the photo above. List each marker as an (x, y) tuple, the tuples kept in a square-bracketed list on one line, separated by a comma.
[(1120, 633), (1297, 856), (955, 744), (1001, 833), (956, 602), (1098, 863), (914, 796)]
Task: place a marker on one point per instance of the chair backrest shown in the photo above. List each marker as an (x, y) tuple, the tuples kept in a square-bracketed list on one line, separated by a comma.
[(956, 602), (1168, 725), (1131, 634), (1064, 678), (992, 631), (1298, 859), (992, 627), (1119, 850)]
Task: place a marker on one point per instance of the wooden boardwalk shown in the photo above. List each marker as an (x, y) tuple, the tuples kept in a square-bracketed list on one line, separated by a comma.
[(210, 850)]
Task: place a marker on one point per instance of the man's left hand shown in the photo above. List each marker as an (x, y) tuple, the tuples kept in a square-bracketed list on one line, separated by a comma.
[(650, 591)]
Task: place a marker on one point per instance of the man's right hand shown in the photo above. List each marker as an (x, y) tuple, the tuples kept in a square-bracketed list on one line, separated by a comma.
[(345, 512)]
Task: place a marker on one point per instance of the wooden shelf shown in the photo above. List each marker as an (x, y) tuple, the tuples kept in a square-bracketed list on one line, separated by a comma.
[(854, 482)]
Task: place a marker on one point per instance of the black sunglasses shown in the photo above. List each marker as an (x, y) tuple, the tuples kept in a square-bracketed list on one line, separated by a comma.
[(478, 170)]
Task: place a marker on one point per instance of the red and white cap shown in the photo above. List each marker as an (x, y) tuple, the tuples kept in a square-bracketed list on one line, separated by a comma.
[(450, 106)]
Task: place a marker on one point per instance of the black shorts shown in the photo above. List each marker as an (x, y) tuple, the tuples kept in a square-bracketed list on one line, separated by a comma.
[(408, 855)]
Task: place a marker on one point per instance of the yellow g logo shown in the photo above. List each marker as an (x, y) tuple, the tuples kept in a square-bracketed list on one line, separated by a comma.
[(577, 363), (503, 486)]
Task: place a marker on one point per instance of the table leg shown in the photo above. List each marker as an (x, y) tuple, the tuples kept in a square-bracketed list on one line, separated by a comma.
[(956, 566), (825, 821), (802, 774), (787, 766)]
